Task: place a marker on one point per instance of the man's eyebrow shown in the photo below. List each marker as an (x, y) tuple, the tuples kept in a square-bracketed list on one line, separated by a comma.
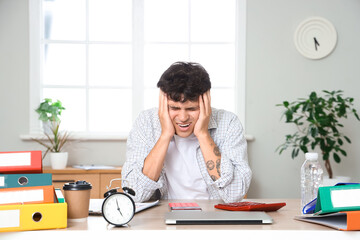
[(174, 107), (193, 108)]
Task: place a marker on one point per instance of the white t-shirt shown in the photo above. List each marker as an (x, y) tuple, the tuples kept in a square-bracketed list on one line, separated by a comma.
[(182, 170)]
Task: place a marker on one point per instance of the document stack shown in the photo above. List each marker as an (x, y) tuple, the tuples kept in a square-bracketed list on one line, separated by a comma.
[(337, 207), (27, 196)]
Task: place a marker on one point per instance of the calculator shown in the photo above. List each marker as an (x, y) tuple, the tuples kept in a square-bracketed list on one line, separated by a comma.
[(251, 206)]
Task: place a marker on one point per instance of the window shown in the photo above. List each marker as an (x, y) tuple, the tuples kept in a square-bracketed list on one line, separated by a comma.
[(103, 58)]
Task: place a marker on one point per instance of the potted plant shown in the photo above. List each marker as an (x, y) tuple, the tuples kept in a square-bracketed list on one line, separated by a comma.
[(55, 140), (49, 111), (318, 125)]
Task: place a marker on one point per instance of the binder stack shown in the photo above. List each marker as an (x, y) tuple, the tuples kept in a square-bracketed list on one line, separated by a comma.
[(337, 207), (27, 196)]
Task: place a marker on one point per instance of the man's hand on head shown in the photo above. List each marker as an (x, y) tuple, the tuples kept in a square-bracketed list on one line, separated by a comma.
[(167, 127), (202, 124)]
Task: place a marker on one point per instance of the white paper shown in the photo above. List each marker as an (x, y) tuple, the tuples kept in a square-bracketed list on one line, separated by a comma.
[(15, 159), (92, 167), (9, 218), (333, 220), (345, 198), (21, 196), (96, 204)]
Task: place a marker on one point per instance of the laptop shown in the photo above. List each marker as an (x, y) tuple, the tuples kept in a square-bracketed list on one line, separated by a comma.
[(216, 218)]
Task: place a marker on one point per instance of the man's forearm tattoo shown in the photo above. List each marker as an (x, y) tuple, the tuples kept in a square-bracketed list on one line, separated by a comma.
[(218, 166), (217, 151), (210, 164)]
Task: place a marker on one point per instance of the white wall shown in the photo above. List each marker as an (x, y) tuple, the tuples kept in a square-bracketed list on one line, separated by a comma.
[(275, 72)]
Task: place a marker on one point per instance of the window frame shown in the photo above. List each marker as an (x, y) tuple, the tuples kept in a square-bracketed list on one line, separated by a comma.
[(35, 71)]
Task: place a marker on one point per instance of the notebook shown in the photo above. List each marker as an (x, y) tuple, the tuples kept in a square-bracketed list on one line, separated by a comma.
[(217, 217)]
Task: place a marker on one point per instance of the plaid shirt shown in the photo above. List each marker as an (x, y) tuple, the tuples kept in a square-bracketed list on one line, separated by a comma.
[(228, 134)]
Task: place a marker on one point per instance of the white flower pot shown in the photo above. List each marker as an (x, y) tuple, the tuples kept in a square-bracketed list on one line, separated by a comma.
[(58, 160), (337, 179)]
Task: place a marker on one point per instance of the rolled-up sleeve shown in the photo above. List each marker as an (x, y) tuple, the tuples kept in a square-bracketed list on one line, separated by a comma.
[(139, 145), (236, 174)]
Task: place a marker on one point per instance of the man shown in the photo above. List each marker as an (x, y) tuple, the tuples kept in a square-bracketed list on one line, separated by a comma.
[(185, 148)]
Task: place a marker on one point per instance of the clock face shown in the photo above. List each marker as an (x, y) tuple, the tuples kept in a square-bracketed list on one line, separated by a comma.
[(118, 209), (315, 38)]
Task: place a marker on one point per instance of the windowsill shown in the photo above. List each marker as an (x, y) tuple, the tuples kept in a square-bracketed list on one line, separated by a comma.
[(97, 137)]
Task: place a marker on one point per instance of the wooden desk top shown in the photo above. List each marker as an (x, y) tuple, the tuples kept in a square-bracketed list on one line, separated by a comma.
[(71, 170), (284, 227), (153, 219)]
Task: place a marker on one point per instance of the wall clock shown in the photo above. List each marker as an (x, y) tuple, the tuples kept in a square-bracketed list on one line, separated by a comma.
[(315, 38)]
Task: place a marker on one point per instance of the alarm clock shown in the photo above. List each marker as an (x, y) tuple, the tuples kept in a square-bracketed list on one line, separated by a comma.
[(118, 208)]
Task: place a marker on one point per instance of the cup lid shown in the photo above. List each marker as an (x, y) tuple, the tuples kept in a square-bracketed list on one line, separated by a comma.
[(79, 185)]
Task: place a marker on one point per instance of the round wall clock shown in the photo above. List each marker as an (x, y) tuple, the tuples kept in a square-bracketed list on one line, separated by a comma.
[(315, 38)]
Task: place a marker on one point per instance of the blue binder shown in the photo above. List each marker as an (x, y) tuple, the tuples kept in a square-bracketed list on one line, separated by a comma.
[(25, 180)]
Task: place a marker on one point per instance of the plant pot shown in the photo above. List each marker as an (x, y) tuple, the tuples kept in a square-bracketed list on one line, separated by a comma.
[(337, 179), (58, 160)]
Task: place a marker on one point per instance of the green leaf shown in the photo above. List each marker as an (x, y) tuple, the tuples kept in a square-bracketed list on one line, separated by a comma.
[(304, 149), (336, 158), (313, 96), (289, 115), (340, 141), (347, 139), (326, 156), (286, 104), (356, 115), (343, 152), (293, 153), (314, 132)]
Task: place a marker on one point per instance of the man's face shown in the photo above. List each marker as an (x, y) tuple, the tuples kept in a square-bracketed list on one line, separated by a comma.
[(184, 116)]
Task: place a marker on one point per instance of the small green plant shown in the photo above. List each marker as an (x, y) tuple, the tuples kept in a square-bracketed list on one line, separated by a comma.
[(54, 142), (317, 121), (50, 111)]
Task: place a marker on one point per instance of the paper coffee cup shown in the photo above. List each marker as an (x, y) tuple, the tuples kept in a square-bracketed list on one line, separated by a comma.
[(77, 196)]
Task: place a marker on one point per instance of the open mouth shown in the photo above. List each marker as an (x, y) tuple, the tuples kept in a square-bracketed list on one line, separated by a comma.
[(184, 127)]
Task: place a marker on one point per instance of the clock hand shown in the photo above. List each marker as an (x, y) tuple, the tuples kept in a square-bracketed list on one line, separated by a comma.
[(118, 208), (316, 43)]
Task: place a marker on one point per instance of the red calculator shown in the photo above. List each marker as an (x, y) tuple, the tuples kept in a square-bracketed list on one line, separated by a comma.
[(251, 206)]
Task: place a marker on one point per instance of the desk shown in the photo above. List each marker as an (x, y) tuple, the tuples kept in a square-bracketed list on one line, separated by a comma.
[(284, 226), (99, 178)]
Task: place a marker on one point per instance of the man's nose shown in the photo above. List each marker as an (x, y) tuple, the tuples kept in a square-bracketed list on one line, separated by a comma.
[(183, 116)]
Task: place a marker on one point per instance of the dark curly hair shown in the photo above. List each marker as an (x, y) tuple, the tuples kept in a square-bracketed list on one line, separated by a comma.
[(184, 81)]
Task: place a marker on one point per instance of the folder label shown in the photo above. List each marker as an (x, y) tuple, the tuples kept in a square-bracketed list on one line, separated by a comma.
[(22, 196), (15, 159), (9, 218), (2, 181), (345, 198)]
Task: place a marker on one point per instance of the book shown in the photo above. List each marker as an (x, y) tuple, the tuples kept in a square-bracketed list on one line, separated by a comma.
[(27, 195), (59, 195), (33, 216), (184, 206), (338, 198), (345, 221), (21, 162), (25, 180)]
